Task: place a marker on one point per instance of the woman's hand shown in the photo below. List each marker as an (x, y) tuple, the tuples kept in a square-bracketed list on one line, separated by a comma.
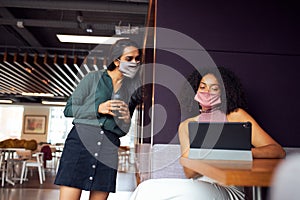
[(123, 109), (105, 108), (116, 108)]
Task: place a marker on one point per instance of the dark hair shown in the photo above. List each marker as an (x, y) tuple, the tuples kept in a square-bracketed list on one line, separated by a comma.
[(234, 95), (131, 90), (117, 50)]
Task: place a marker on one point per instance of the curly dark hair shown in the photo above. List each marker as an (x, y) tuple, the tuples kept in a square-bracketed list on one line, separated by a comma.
[(234, 95), (117, 49)]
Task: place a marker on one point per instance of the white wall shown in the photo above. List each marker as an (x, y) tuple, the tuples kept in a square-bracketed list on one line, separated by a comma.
[(36, 110)]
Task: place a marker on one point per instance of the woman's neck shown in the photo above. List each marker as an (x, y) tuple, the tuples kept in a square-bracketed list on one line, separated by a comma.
[(204, 109), (207, 110), (116, 77)]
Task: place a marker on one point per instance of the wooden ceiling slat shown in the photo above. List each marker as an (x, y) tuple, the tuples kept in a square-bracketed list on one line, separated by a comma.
[(5, 89), (20, 79), (7, 78), (69, 69), (31, 76), (95, 63), (77, 68), (18, 75), (85, 65), (63, 72), (51, 77), (67, 89), (45, 79)]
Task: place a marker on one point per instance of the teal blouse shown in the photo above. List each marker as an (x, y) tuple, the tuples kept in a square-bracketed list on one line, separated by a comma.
[(95, 88)]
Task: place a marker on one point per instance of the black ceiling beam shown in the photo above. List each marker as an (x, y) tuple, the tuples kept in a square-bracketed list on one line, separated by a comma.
[(23, 32), (54, 24), (94, 6)]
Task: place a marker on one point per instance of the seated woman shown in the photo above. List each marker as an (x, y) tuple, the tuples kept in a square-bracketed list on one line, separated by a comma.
[(218, 102)]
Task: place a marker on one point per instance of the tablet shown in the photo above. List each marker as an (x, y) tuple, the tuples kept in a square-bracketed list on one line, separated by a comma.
[(220, 140)]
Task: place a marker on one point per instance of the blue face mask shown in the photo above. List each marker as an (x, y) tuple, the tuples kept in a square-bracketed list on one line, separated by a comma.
[(128, 69)]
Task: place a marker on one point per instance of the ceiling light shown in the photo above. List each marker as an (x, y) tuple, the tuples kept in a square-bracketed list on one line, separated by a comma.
[(20, 24), (89, 29), (88, 39), (131, 30), (5, 101), (57, 103), (37, 94)]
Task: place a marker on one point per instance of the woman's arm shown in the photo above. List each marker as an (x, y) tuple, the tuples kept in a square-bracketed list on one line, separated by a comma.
[(185, 145), (264, 145), (78, 105)]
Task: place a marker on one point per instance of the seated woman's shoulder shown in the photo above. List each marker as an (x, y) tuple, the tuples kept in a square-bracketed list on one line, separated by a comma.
[(238, 114), (186, 122)]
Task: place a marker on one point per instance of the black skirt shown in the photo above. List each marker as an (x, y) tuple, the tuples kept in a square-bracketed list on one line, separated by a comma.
[(89, 160)]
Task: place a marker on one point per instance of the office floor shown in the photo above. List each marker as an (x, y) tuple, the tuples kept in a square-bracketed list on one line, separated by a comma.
[(33, 190)]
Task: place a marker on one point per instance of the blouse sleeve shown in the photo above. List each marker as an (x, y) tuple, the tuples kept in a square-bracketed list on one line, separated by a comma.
[(135, 100), (78, 105)]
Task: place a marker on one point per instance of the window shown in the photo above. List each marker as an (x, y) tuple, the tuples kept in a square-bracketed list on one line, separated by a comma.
[(128, 139), (59, 125), (11, 121)]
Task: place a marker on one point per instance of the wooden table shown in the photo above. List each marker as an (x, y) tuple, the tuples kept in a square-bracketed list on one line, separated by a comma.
[(256, 174)]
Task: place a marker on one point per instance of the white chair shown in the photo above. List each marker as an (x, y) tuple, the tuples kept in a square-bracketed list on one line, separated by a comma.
[(34, 163), (57, 164), (124, 153), (24, 154), (2, 167)]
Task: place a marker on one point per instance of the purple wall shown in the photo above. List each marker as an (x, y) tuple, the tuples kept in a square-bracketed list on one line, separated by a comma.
[(259, 41)]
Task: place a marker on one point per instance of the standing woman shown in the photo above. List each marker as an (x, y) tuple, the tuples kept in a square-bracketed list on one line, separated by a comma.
[(90, 156)]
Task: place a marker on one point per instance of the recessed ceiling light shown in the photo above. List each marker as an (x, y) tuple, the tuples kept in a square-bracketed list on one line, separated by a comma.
[(37, 94), (58, 103), (5, 101), (88, 39)]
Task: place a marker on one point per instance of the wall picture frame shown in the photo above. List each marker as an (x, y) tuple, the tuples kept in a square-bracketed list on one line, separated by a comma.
[(35, 124)]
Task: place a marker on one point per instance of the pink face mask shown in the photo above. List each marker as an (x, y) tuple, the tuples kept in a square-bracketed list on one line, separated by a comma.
[(208, 100)]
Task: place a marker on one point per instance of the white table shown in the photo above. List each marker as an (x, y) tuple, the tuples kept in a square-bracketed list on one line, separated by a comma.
[(10, 162)]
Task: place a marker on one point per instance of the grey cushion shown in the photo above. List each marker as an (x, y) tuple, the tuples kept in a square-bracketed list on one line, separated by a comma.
[(165, 161)]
